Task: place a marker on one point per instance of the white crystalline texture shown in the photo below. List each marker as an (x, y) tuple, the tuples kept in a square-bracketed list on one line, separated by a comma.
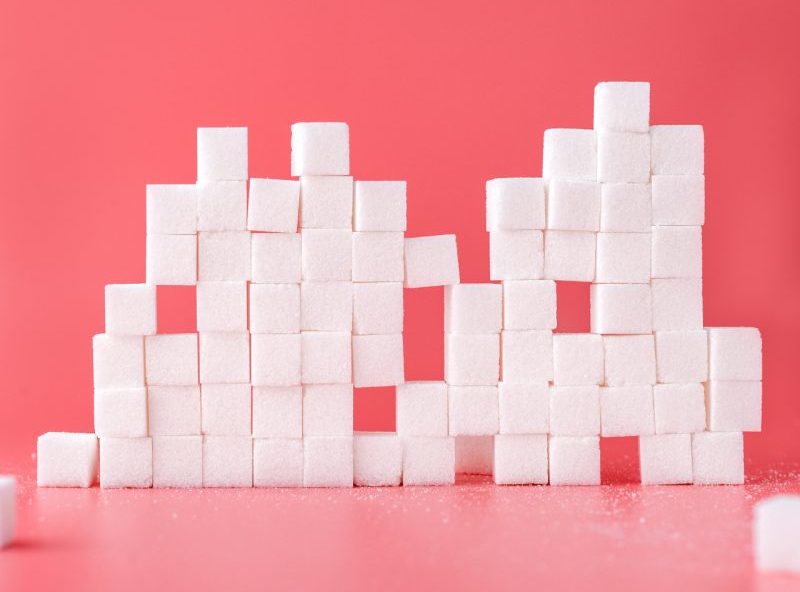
[(326, 202), (328, 410), (473, 308), (677, 304), (120, 412), (130, 309), (275, 359), (622, 106), (225, 409), (524, 408), (625, 207), (578, 359), (174, 410), (171, 209), (527, 356), (328, 461), (626, 411), (277, 412), (431, 261), (171, 259), (221, 306), (221, 205), (474, 455), (776, 534), (573, 205), (320, 148), (171, 359), (516, 203), (274, 308), (569, 154), (66, 460), (378, 360), (677, 149), (665, 459), (118, 361), (326, 358), (677, 252), (221, 153), (8, 509), (472, 359), (733, 405), (178, 461), (681, 356), (421, 408), (520, 459), (623, 309), (679, 200), (623, 157), (429, 461), (223, 256), (276, 258), (569, 255), (575, 410), (734, 353), (623, 258), (380, 206), (224, 358), (679, 408), (529, 304), (227, 461), (574, 460), (377, 459), (378, 257), (327, 255), (718, 458), (378, 308), (473, 410), (278, 462), (516, 255), (629, 360), (126, 462), (273, 206)]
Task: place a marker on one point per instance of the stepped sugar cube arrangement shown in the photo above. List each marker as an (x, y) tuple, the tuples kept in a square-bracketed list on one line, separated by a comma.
[(299, 285)]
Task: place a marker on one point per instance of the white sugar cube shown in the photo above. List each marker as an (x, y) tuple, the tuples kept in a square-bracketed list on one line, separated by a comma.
[(516, 203), (66, 460), (8, 509), (226, 409), (227, 461), (328, 461), (569, 255), (473, 308), (630, 360), (171, 259), (274, 205), (378, 308), (171, 209), (677, 252), (222, 205), (327, 255), (378, 360), (223, 256), (516, 255), (679, 200), (623, 157), (665, 459), (377, 459), (626, 411), (529, 304), (578, 359), (126, 462), (680, 408), (681, 356), (524, 408), (431, 261), (474, 455), (574, 460), (221, 306), (625, 309), (733, 405), (380, 206), (277, 411), (171, 359), (677, 149), (118, 361), (677, 304), (734, 353), (421, 408), (471, 359), (320, 148), (718, 458), (776, 524), (326, 358), (178, 461), (274, 308), (569, 154), (275, 359), (527, 356), (221, 153), (573, 205), (378, 257), (625, 207), (224, 358), (473, 410), (327, 410), (623, 258), (326, 202), (520, 459), (429, 461), (622, 106), (130, 309), (575, 410), (120, 412), (276, 258), (174, 410), (277, 462)]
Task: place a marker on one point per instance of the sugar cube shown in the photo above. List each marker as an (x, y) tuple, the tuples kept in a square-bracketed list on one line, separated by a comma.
[(734, 353), (429, 461), (574, 460), (569, 154), (733, 405), (630, 360), (328, 461), (527, 356), (277, 412), (171, 259), (665, 459), (718, 458), (130, 309), (776, 524), (623, 258), (421, 408), (327, 255), (276, 258), (377, 459), (276, 359), (174, 410), (622, 106), (625, 309), (578, 359), (178, 461), (226, 409), (326, 358), (431, 261), (221, 153), (473, 410), (529, 304), (626, 411), (380, 206), (118, 361), (677, 252), (623, 157), (679, 200), (681, 356), (171, 359), (516, 255), (378, 257), (520, 459), (223, 256), (227, 461), (473, 308), (274, 308), (225, 357), (120, 412), (126, 462), (677, 149), (327, 410), (378, 360), (221, 306), (569, 255), (474, 455), (573, 205), (8, 509), (378, 308), (278, 462), (274, 205), (472, 359), (516, 203), (677, 304), (524, 408), (222, 205), (171, 209), (679, 408), (326, 202), (575, 410), (320, 148), (625, 207), (66, 460)]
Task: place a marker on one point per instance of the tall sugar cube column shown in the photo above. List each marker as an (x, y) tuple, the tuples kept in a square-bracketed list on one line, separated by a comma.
[(733, 391), (171, 257)]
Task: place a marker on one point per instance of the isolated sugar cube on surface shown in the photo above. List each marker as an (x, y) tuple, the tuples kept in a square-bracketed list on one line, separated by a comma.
[(569, 154), (473, 410), (328, 461), (66, 460), (327, 410), (629, 360), (625, 207), (377, 459), (326, 357), (679, 408), (174, 410), (677, 252), (224, 357), (276, 359), (429, 461), (171, 359), (227, 461), (431, 261), (223, 256), (733, 405), (578, 359), (118, 361), (378, 360), (473, 308), (221, 306), (524, 408), (222, 205), (378, 257), (326, 202), (8, 509), (573, 205), (625, 309), (327, 255), (626, 411), (130, 309), (717, 458), (126, 462), (622, 106), (575, 410), (529, 304), (221, 153), (574, 460), (516, 203), (516, 255), (171, 209), (569, 255), (380, 206), (623, 157), (527, 356), (472, 359), (520, 459), (378, 308), (681, 356), (677, 149), (277, 462), (178, 461), (421, 408), (276, 258), (734, 353), (776, 524), (277, 412), (171, 259), (679, 200), (274, 308), (320, 148), (665, 459), (677, 304), (474, 455), (120, 412), (226, 409), (623, 258), (273, 205)]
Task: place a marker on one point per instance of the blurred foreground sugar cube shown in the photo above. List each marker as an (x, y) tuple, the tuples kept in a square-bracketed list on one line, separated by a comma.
[(776, 534), (8, 509)]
